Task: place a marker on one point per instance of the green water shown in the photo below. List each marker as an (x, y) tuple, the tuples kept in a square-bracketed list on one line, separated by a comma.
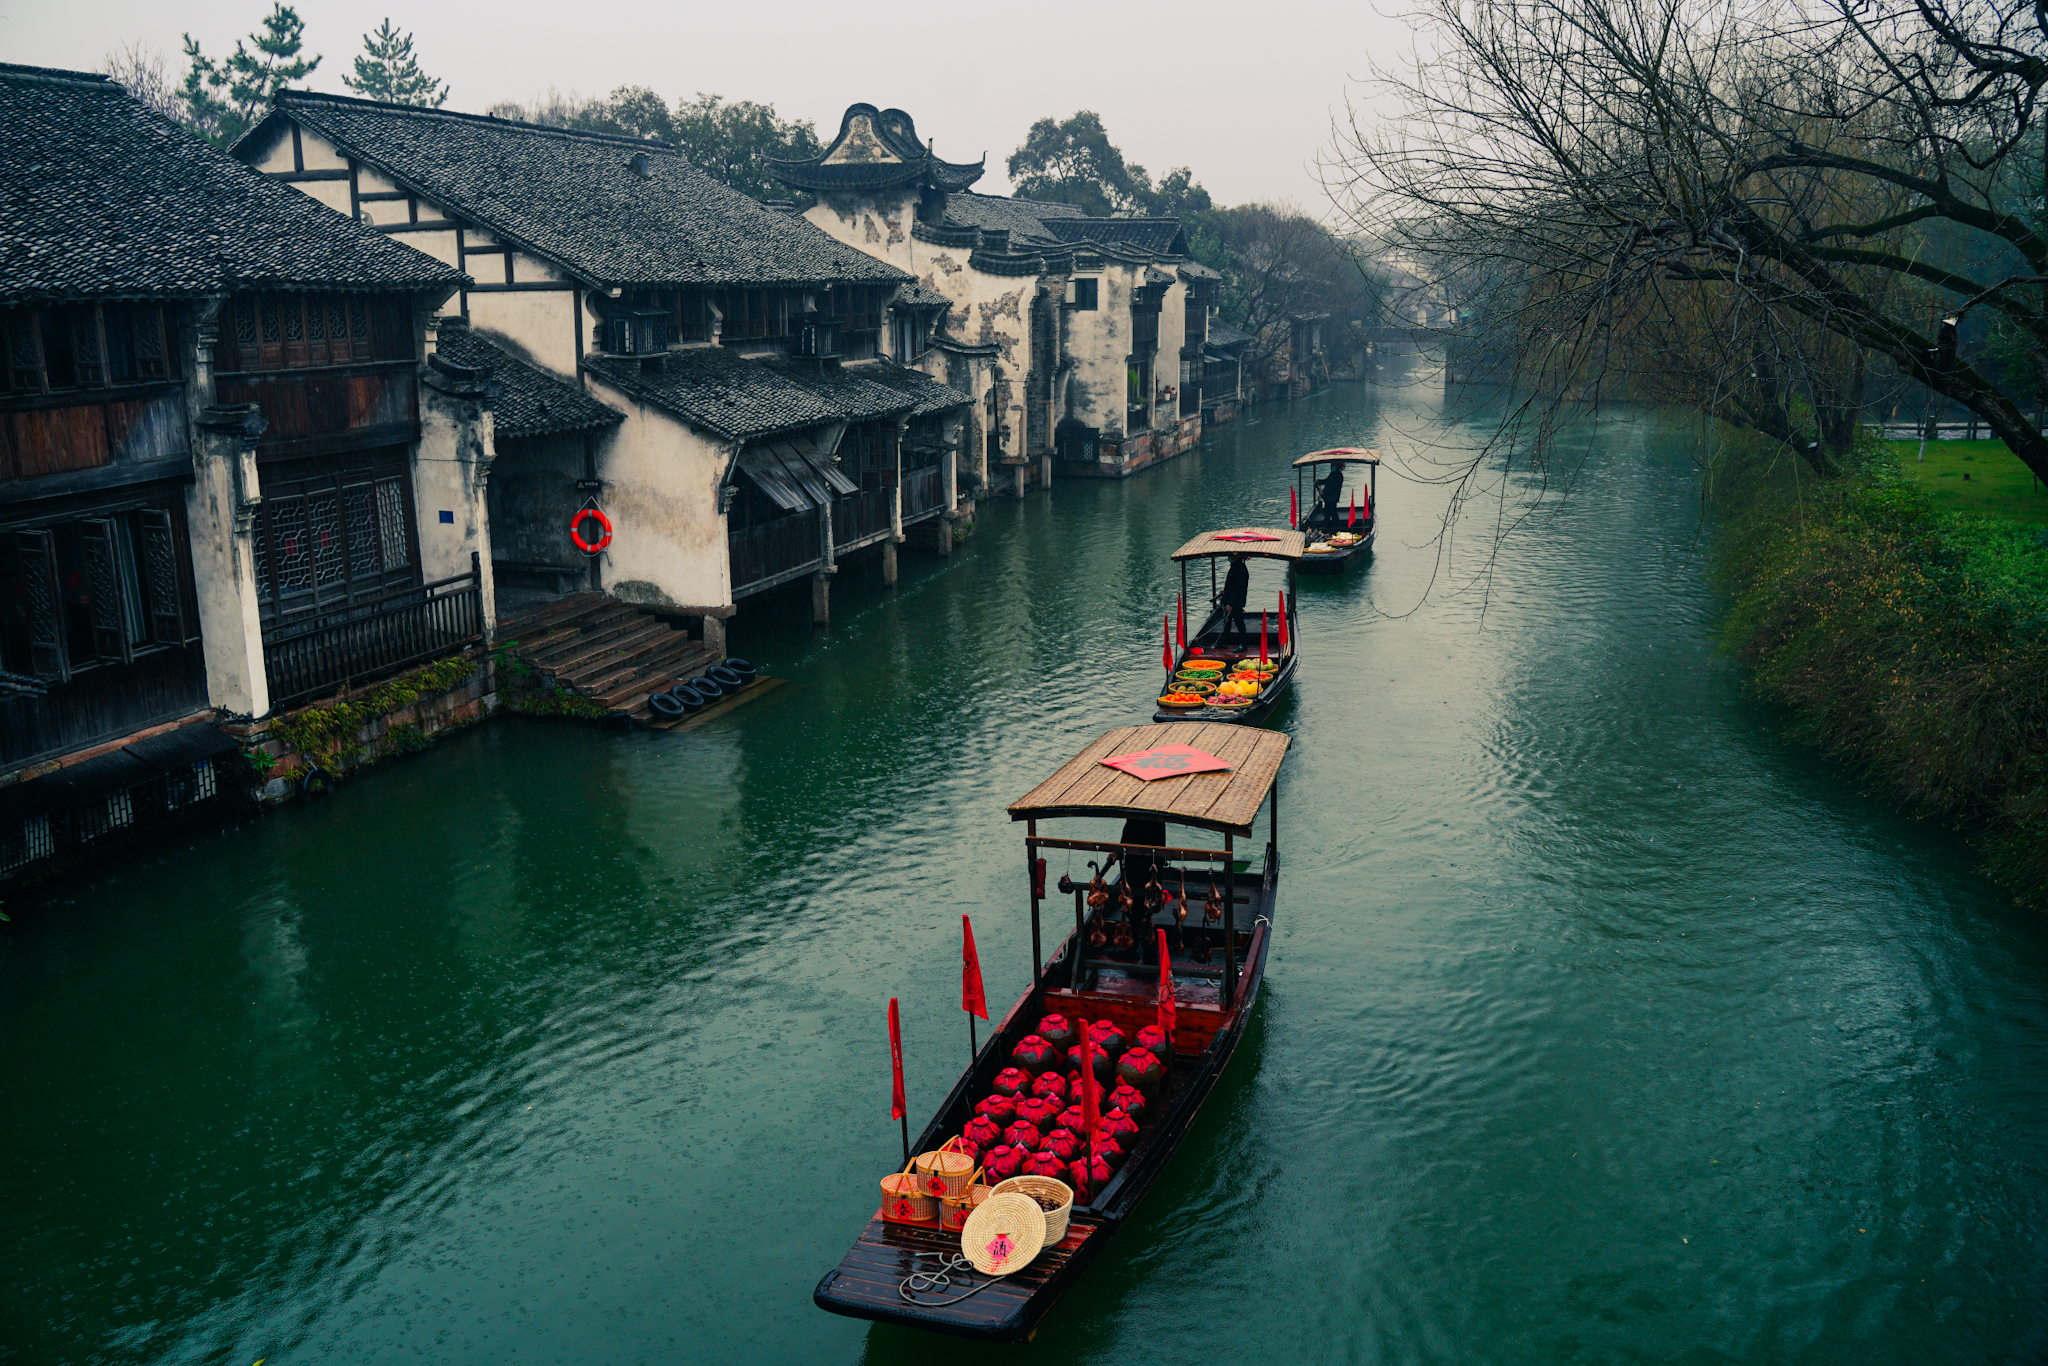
[(1600, 1025)]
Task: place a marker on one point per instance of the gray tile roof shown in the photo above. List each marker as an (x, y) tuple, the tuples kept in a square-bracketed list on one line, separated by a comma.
[(99, 197), (875, 149), (575, 198), (1021, 218), (916, 295), (531, 402), (1222, 333), (1160, 236), (928, 394), (731, 395)]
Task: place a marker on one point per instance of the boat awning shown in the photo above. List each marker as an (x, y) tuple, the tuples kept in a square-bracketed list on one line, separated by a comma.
[(794, 475), (1244, 540), (1224, 802), (1350, 455)]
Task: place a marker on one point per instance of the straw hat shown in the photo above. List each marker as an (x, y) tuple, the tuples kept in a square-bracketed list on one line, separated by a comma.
[(1004, 1234)]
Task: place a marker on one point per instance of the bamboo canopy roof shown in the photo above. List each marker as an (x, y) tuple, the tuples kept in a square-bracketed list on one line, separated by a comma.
[(1225, 802), (1284, 545), (1350, 455)]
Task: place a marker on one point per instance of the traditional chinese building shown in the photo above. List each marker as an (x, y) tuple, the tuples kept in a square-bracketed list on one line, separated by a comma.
[(758, 430), (231, 475), (1082, 320)]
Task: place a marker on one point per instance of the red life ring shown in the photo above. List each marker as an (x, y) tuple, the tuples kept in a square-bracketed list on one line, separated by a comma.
[(576, 531)]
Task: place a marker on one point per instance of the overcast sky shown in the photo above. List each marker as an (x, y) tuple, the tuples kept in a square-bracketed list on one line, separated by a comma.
[(1242, 93)]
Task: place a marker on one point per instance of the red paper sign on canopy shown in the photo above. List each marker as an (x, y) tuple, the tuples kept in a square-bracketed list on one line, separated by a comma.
[(1166, 761), (1243, 536)]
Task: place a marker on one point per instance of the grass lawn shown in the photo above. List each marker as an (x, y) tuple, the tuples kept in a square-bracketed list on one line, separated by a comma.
[(1982, 477)]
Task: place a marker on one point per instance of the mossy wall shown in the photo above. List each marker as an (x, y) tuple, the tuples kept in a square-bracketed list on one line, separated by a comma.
[(300, 752)]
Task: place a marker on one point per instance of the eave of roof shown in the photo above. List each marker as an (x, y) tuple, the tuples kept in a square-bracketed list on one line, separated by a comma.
[(530, 402), (1227, 801), (739, 397), (572, 198)]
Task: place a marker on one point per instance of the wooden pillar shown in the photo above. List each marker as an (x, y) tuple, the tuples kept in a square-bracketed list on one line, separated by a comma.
[(821, 600), (1031, 881), (889, 564), (821, 582), (1229, 922), (1080, 943)]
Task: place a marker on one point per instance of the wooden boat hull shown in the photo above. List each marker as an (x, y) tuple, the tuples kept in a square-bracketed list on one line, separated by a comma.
[(1338, 561), (1262, 706), (865, 1283)]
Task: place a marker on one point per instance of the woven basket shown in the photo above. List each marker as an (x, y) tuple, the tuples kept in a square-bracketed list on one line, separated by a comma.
[(946, 1170), (954, 1209), (1053, 1189), (904, 1200), (1003, 1234)]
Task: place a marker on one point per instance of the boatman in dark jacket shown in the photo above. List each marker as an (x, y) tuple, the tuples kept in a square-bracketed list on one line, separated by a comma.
[(1331, 491), (1237, 584)]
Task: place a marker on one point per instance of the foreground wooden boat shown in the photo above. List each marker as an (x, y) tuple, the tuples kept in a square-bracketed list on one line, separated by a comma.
[(1211, 641), (1215, 985), (1330, 519)]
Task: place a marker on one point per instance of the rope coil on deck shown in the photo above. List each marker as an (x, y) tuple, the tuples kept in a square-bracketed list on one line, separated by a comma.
[(925, 1282)]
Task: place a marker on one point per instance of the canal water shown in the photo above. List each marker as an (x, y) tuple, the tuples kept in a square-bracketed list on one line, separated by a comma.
[(1600, 1025)]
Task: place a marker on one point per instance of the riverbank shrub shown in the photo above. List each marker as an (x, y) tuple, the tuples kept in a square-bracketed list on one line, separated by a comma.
[(1910, 643)]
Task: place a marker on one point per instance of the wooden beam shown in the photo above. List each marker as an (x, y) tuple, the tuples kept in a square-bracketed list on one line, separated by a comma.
[(534, 286), (299, 177), (424, 225), (469, 249), (374, 196)]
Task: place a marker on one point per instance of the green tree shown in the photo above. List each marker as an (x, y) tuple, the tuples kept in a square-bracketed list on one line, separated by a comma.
[(224, 99), (389, 71), (631, 110), (732, 142), (1074, 162)]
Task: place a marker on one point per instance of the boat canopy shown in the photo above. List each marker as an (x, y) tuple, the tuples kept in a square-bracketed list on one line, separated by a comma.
[(1350, 455), (1244, 540), (1222, 801)]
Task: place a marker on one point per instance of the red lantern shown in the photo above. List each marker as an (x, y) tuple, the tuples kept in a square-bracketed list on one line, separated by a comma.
[(1128, 1099), (1062, 1144), (999, 1108), (1013, 1082), (1022, 1133), (1035, 1054), (1050, 1085)]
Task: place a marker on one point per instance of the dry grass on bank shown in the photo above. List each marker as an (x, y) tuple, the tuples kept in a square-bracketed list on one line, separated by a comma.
[(1910, 642)]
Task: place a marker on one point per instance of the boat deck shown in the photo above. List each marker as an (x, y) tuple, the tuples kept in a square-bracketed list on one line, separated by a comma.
[(865, 1283)]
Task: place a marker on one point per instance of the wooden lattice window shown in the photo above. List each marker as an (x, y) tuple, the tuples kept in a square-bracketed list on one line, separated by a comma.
[(84, 346), (293, 331)]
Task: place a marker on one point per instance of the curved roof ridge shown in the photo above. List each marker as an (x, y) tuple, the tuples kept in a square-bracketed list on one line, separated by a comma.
[(488, 120)]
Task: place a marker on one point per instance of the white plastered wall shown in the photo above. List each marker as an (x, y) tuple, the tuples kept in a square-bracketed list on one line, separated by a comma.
[(661, 492)]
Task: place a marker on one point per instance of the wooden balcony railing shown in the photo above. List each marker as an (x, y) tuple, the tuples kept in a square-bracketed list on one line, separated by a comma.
[(923, 491), (765, 555), (860, 515), (367, 640)]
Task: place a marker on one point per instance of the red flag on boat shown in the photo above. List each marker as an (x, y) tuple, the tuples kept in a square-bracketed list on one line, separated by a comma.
[(897, 1109), (1166, 641), (972, 998), (1091, 1111), (1262, 637), (1364, 506), (1294, 507), (1351, 517), (1180, 615), (1283, 621), (1166, 1003)]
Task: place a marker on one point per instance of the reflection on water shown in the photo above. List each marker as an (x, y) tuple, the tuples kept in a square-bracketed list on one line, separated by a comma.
[(1600, 1025)]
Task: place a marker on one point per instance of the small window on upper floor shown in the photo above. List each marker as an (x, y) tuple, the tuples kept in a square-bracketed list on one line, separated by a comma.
[(1081, 294)]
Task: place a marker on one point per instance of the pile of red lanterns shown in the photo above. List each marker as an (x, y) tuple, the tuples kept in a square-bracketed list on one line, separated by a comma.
[(1031, 1123)]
